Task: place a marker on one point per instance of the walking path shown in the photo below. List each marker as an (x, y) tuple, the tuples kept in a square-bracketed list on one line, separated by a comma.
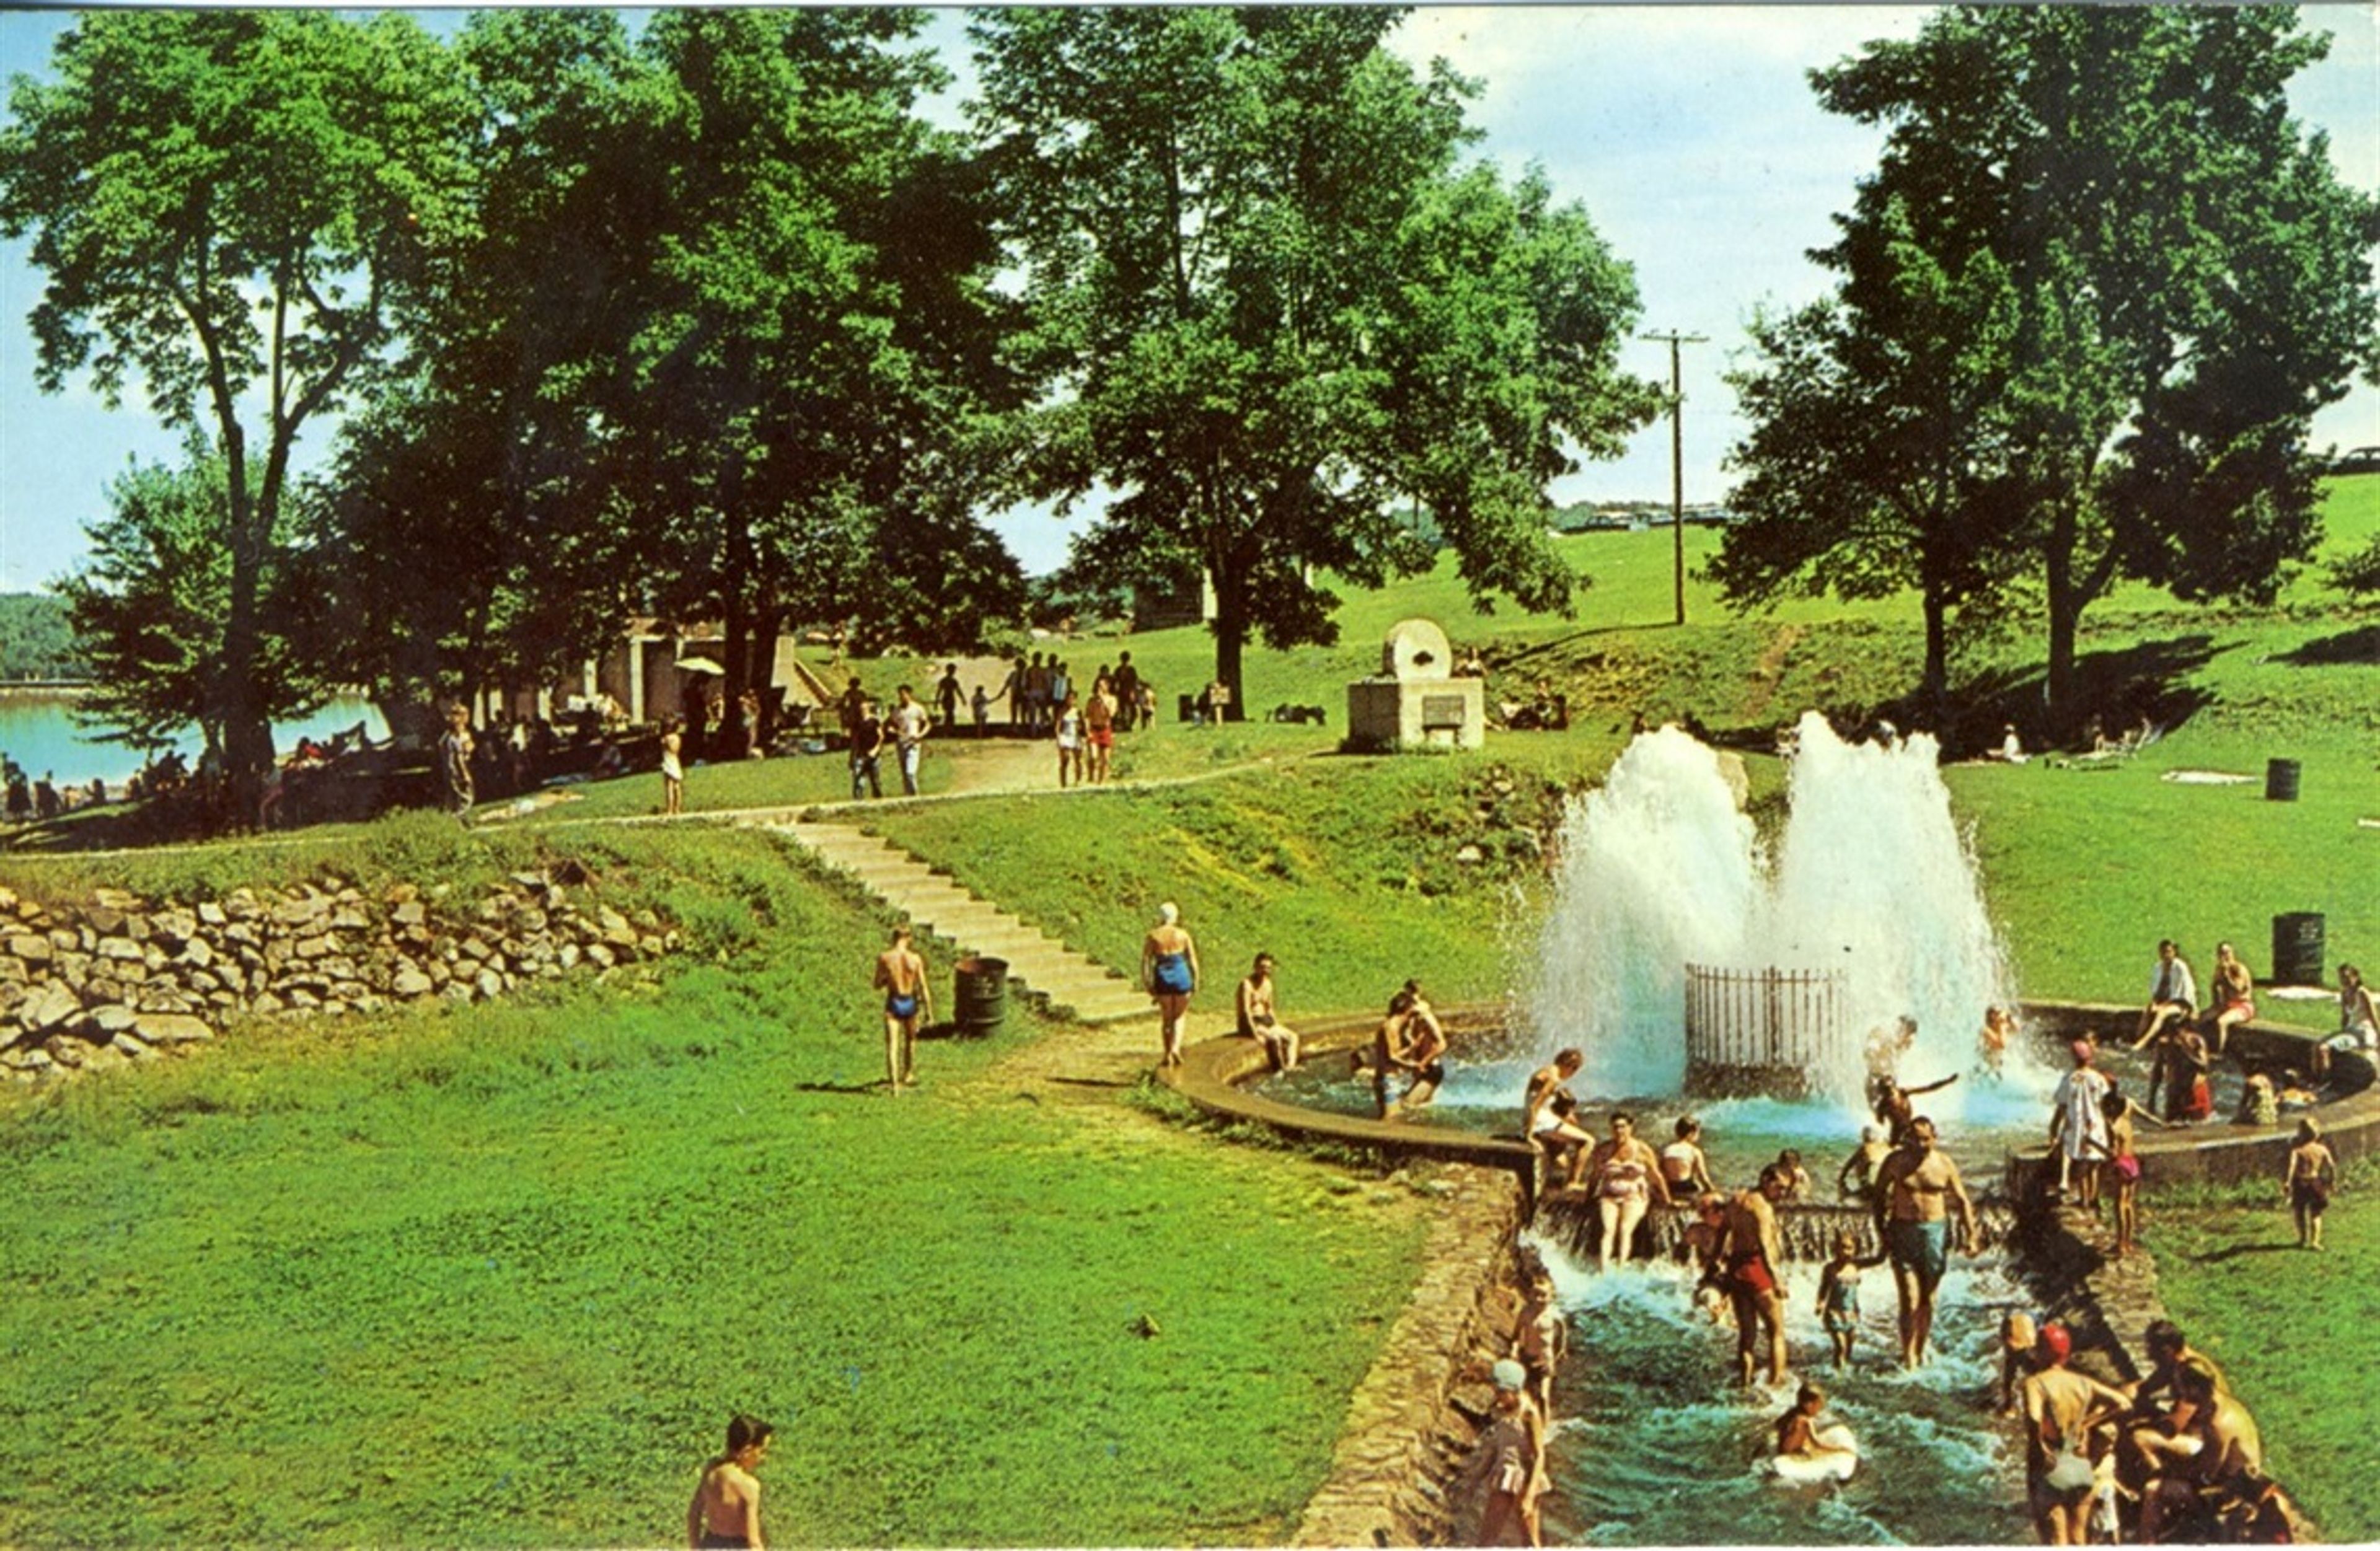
[(1069, 982)]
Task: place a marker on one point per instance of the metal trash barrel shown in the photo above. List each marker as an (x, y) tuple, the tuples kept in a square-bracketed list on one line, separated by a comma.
[(2297, 948), (979, 996), (2281, 781)]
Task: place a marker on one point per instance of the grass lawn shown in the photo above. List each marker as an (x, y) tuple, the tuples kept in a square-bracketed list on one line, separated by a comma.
[(498, 1277), (2296, 1333)]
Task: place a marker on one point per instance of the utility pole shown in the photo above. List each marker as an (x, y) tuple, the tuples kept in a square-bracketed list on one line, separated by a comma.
[(1678, 460)]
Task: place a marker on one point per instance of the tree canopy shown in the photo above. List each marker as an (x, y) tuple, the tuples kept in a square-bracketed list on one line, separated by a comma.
[(2141, 280), (1269, 306)]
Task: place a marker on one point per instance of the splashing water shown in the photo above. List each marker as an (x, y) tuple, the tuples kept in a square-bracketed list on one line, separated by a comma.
[(1870, 877)]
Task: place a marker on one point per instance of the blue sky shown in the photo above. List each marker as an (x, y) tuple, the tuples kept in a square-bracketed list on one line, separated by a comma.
[(1688, 131)]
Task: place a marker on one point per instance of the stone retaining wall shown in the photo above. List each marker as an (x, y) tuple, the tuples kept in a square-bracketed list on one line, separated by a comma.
[(122, 979), (1397, 1474)]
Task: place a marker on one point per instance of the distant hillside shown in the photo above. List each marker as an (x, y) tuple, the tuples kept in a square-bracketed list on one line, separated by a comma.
[(36, 641)]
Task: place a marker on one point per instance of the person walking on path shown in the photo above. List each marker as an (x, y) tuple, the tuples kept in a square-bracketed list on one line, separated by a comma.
[(1127, 692), (1169, 967), (947, 696), (867, 746), (673, 769), (1098, 731), (1067, 734), (726, 1506), (909, 726), (1913, 1191), (908, 1003), (2312, 1175), (454, 752)]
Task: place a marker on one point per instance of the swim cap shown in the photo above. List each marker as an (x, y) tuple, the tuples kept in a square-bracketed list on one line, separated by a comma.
[(1511, 1374), (2056, 1342), (2084, 1050)]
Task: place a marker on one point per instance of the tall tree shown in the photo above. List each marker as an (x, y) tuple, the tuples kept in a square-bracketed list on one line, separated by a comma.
[(227, 203), (1879, 444), (818, 326), (2192, 280), (1271, 308)]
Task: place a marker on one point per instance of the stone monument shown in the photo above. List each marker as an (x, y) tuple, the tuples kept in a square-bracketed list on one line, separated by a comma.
[(1415, 698)]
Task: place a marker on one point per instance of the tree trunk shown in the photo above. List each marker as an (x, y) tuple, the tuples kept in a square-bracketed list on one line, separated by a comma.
[(2067, 597), (247, 732), (1935, 685), (1230, 638)]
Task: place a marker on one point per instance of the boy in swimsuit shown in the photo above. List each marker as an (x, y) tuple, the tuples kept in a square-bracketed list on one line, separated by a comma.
[(1750, 1251), (1547, 1123), (2313, 1174), (1259, 1021), (1855, 1180), (1913, 1220), (726, 1506), (901, 975), (1542, 1341), (1425, 1049), (1838, 1305), (1797, 1430)]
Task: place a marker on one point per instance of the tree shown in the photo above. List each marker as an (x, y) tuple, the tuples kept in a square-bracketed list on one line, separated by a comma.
[(1879, 438), (817, 331), (153, 607), (1271, 310), (2191, 281), (227, 205)]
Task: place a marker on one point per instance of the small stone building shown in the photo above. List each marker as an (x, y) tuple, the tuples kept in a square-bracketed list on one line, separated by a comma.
[(1415, 699)]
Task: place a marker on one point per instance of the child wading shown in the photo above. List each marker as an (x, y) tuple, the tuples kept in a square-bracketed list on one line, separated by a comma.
[(1839, 1305)]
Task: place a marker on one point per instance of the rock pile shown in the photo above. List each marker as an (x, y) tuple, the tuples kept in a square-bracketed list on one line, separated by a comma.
[(125, 979)]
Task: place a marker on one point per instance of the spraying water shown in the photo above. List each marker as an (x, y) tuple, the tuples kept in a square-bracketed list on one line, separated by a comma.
[(1870, 877)]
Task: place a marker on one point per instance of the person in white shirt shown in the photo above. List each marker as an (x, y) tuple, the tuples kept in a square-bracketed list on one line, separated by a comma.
[(909, 723), (2172, 993)]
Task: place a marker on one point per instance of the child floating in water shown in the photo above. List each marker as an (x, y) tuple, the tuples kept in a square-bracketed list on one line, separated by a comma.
[(1807, 1452)]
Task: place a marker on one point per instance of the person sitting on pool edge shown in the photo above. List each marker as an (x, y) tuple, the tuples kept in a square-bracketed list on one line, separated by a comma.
[(1548, 1115), (1259, 1019), (1625, 1176), (1683, 1163)]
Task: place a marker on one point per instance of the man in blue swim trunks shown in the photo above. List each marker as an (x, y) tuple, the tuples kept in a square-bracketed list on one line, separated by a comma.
[(908, 1001), (1913, 1191)]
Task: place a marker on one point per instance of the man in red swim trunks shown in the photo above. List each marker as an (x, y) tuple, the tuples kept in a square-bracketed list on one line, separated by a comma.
[(1750, 1255)]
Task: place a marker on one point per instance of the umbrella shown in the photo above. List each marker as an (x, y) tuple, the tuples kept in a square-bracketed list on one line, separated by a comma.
[(700, 665)]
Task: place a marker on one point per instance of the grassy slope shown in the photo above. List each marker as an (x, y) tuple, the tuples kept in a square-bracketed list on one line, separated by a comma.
[(498, 1277), (2295, 1333)]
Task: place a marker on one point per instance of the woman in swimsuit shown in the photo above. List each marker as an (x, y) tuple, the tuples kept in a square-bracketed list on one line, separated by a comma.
[(726, 1506), (2189, 1096), (673, 767), (1068, 727), (2313, 1174), (1624, 1174), (1169, 967), (2234, 991), (1098, 730)]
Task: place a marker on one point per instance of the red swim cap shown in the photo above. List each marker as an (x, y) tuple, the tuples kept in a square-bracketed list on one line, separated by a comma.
[(2055, 1341)]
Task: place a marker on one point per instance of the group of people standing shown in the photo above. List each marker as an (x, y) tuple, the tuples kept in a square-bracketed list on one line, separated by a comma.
[(870, 730)]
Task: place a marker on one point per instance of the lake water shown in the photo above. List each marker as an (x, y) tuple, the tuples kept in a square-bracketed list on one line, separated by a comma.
[(38, 731)]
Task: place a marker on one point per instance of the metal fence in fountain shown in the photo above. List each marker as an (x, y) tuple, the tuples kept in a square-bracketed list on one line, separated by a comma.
[(1767, 1031)]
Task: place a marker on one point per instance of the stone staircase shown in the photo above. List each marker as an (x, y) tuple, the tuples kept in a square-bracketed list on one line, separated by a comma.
[(1040, 966)]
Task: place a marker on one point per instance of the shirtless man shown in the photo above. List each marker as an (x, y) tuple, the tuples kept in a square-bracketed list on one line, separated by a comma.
[(1855, 1180), (1260, 1021), (1750, 1255), (2228, 1464), (908, 1001), (2061, 1407), (1913, 1220), (1625, 1175), (726, 1506), (1549, 1128), (1425, 1049)]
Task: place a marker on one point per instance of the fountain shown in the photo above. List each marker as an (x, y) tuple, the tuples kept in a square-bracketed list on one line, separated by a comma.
[(1864, 910)]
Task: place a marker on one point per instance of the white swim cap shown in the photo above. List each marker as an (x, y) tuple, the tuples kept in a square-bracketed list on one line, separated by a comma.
[(1510, 1374), (1169, 912)]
